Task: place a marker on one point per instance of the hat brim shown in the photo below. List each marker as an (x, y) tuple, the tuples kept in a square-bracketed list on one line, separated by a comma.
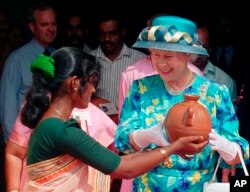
[(171, 47)]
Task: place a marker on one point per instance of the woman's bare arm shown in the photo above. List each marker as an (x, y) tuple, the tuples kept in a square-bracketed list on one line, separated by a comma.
[(141, 162), (14, 156)]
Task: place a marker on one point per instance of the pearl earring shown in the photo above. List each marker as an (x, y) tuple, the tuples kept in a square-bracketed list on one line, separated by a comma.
[(75, 89)]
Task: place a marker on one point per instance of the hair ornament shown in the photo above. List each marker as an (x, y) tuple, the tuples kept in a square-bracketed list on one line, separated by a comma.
[(45, 64)]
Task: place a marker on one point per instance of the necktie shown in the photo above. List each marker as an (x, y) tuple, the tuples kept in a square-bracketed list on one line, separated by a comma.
[(222, 60), (46, 52)]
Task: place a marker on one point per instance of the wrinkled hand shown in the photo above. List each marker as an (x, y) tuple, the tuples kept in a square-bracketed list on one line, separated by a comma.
[(227, 149), (144, 137)]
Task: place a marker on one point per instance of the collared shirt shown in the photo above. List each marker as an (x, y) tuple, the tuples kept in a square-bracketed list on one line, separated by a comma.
[(86, 48), (15, 81), (111, 71), (214, 73), (133, 72)]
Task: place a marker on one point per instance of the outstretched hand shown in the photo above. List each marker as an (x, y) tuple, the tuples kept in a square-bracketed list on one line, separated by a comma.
[(188, 146)]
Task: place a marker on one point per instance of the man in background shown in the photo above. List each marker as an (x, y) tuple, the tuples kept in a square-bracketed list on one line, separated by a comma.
[(211, 71), (16, 77), (75, 32), (114, 56)]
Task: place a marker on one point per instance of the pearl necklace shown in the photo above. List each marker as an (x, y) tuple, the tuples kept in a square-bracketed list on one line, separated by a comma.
[(187, 84), (58, 113)]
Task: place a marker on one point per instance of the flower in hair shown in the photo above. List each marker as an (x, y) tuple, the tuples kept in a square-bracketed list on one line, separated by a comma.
[(45, 64)]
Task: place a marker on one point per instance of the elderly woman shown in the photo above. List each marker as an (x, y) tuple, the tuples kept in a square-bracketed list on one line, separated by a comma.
[(172, 43)]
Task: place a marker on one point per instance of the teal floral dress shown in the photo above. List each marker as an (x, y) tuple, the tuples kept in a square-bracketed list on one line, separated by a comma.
[(148, 102)]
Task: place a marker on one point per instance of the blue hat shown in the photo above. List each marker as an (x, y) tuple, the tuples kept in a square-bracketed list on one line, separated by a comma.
[(171, 33)]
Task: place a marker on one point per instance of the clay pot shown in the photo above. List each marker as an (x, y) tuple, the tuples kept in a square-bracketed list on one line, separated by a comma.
[(188, 118)]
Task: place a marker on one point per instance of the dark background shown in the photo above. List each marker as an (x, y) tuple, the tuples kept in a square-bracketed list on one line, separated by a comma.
[(136, 13)]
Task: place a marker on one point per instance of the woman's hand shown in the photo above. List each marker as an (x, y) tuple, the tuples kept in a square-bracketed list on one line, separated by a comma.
[(227, 149), (188, 146), (153, 135)]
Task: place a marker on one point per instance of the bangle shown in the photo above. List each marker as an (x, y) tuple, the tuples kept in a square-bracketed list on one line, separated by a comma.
[(164, 154), (14, 190)]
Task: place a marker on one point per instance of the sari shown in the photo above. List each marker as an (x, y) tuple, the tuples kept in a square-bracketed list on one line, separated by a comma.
[(65, 173), (102, 130)]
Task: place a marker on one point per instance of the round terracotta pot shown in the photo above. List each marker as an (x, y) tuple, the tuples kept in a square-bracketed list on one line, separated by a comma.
[(188, 118)]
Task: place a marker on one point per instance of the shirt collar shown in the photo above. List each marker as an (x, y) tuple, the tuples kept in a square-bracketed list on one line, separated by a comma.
[(210, 68), (41, 48), (124, 52)]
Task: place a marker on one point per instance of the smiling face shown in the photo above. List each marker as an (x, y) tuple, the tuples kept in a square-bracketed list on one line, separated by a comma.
[(82, 96), (79, 93), (87, 94), (171, 66)]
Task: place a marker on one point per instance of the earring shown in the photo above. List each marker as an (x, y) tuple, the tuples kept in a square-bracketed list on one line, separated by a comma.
[(75, 89)]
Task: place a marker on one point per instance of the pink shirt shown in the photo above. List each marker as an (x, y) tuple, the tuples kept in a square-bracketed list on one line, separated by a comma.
[(100, 127), (20, 135), (133, 72)]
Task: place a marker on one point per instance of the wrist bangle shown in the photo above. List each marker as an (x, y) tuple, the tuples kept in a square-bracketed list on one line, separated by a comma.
[(164, 154)]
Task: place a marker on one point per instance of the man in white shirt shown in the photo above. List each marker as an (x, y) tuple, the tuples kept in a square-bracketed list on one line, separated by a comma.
[(114, 56), (211, 71)]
